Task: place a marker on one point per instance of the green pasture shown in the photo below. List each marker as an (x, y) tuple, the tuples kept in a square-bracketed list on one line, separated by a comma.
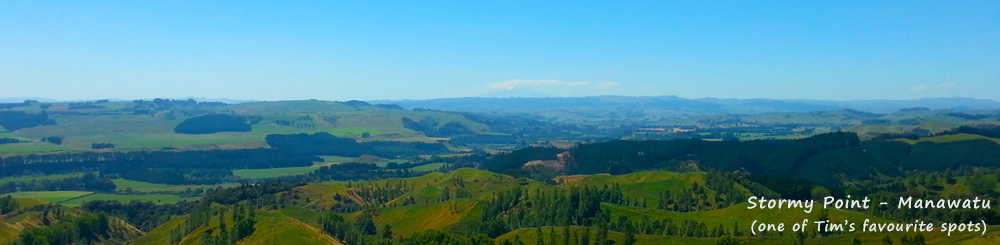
[(427, 167), (155, 198), (272, 172), (124, 184), (37, 178), (49, 196)]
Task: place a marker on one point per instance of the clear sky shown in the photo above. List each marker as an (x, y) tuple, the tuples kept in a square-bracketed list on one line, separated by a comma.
[(279, 50)]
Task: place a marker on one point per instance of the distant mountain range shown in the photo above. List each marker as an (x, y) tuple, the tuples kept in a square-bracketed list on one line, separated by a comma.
[(692, 106), (46, 100), (519, 101)]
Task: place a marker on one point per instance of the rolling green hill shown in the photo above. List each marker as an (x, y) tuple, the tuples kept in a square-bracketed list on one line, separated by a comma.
[(646, 185), (949, 138), (12, 224)]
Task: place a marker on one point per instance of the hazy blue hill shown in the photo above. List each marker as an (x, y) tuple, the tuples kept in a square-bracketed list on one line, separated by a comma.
[(693, 106)]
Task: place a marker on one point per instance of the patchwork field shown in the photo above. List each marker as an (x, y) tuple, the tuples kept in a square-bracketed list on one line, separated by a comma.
[(427, 167), (50, 196), (272, 172), (124, 184), (156, 131), (33, 147), (37, 178), (155, 198)]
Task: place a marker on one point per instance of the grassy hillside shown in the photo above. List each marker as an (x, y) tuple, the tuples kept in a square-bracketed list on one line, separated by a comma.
[(421, 217), (429, 212), (14, 223), (272, 227), (160, 235), (458, 214), (949, 138), (644, 185), (275, 228)]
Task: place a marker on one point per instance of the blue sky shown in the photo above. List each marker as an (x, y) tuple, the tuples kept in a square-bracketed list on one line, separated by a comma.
[(839, 50)]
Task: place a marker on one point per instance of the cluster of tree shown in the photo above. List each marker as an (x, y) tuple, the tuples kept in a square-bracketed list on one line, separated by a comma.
[(581, 207), (515, 209), (126, 162), (968, 116), (786, 187), (87, 105), (166, 104), (254, 194), (741, 178), (451, 163), (362, 231), (894, 136), (690, 200), (331, 119), (516, 159), (294, 124), (779, 157), (189, 192), (932, 156), (98, 146), (86, 182), (175, 176), (397, 149), (444, 238), (143, 215), (321, 143), (53, 139), (987, 130), (8, 204), (9, 141), (812, 158), (83, 229), (917, 239), (347, 205), (486, 139), (925, 185), (200, 216), (358, 171), (213, 123), (375, 194), (14, 120), (432, 128), (16, 105), (244, 218), (355, 103)]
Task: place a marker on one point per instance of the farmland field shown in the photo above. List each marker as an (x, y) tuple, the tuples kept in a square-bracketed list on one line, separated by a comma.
[(46, 177), (158, 199), (123, 184), (272, 172), (428, 167), (49, 196), (33, 147)]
